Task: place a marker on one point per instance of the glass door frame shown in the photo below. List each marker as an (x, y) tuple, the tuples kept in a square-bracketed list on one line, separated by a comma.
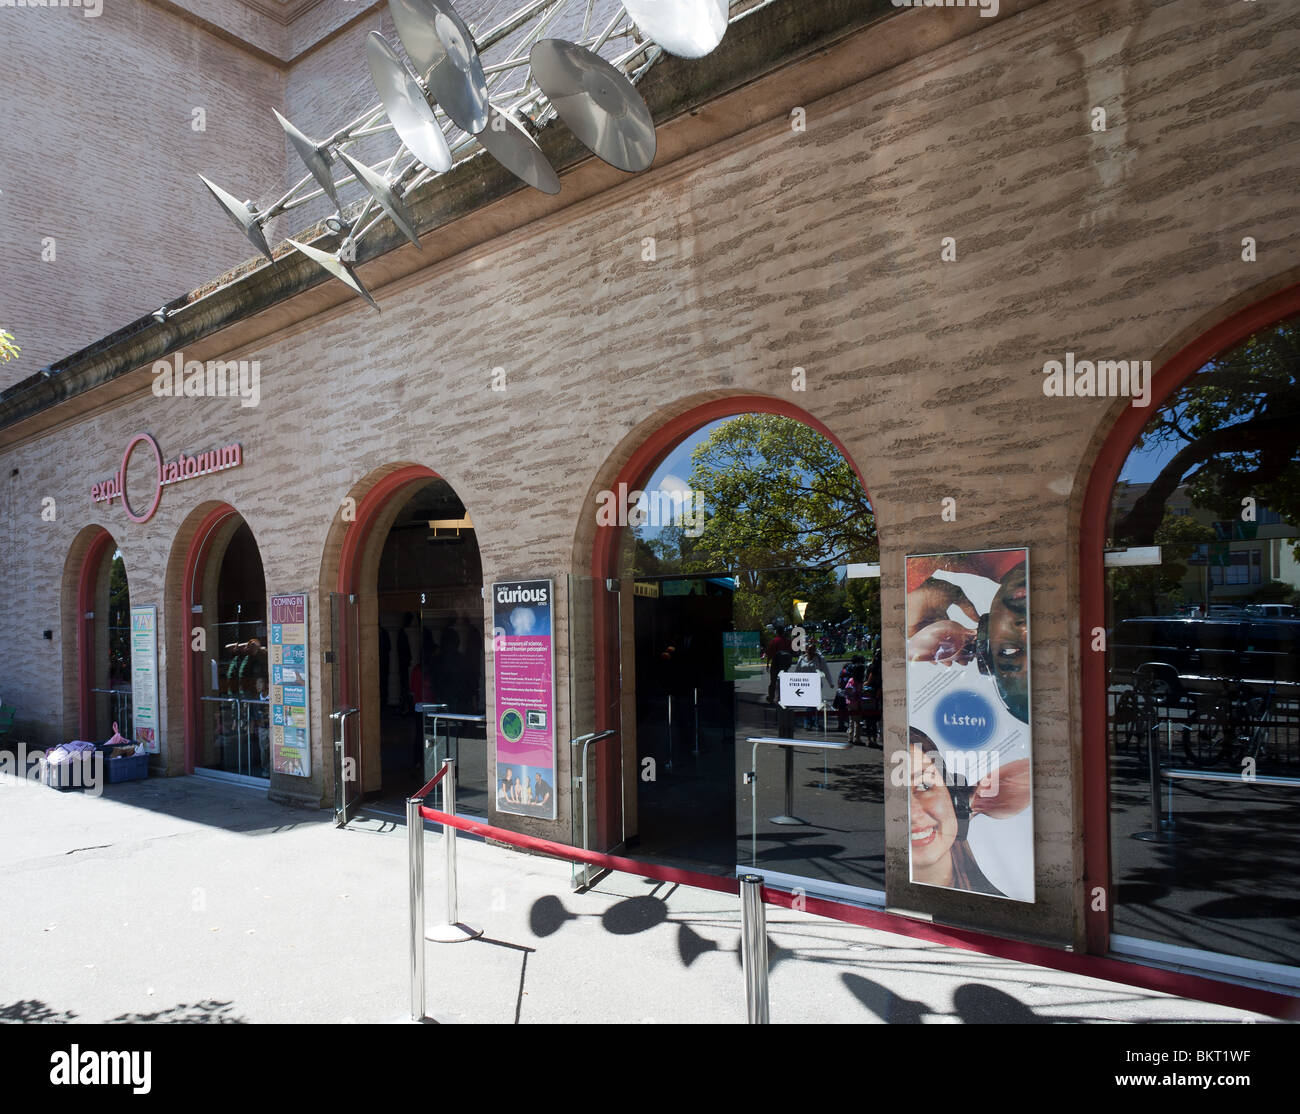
[(344, 656)]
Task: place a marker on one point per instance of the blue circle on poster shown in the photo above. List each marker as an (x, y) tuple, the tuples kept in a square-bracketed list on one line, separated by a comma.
[(964, 719)]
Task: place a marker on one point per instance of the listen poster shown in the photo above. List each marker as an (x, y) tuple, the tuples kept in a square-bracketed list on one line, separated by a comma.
[(970, 805), (523, 657)]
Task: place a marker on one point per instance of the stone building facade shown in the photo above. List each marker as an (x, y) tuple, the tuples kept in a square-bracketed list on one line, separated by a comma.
[(776, 248)]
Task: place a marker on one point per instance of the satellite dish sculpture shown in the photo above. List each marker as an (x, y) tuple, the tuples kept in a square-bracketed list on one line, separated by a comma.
[(450, 101)]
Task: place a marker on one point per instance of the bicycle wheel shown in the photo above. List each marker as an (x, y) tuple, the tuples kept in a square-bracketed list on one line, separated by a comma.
[(1206, 736)]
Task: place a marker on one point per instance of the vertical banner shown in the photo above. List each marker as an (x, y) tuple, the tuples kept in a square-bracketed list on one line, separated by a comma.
[(970, 804), (290, 728), (523, 658), (742, 656), (144, 676)]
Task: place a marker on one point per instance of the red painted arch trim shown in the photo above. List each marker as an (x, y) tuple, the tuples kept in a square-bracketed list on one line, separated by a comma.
[(651, 452), (1092, 590), (195, 561), (89, 576), (369, 509), (605, 556), (396, 485)]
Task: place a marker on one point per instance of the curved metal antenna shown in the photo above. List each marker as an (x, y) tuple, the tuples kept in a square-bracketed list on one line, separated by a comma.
[(342, 271), (506, 141), (313, 157), (243, 214), (407, 109), (442, 50), (687, 28), (382, 192), (598, 103)]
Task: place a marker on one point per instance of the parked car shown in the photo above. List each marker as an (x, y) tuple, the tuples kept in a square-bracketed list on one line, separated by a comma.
[(1181, 654), (1272, 610)]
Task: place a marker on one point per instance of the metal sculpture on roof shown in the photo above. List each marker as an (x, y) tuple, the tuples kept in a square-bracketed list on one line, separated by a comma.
[(452, 100)]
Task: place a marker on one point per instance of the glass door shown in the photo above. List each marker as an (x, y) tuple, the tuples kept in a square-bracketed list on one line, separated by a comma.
[(595, 718), (448, 689), (344, 659)]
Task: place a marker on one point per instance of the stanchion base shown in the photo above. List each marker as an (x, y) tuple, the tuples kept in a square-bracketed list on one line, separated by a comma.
[(1158, 837), (452, 933), (787, 820)]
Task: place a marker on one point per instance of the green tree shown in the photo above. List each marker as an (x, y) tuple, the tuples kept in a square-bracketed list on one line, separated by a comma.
[(778, 494), (1158, 589), (783, 509), (8, 349), (1236, 428)]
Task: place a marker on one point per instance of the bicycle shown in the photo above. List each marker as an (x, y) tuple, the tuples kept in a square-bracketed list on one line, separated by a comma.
[(1228, 725)]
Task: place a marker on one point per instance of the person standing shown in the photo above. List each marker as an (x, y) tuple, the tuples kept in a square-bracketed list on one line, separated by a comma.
[(404, 656), (385, 652), (779, 657)]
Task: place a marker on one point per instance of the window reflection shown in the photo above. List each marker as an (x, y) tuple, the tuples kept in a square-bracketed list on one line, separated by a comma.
[(1204, 661)]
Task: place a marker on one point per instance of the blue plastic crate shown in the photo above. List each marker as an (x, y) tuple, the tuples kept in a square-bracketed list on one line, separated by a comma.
[(126, 769)]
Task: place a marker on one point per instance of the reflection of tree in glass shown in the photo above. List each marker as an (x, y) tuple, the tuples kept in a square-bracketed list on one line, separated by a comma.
[(1236, 428), (783, 508), (1158, 589)]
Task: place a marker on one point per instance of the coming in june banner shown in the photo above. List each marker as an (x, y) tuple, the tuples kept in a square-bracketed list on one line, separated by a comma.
[(523, 664), (290, 725), (970, 744)]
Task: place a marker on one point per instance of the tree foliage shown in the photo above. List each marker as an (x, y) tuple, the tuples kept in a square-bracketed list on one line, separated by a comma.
[(783, 509), (776, 488), (8, 349), (1236, 425)]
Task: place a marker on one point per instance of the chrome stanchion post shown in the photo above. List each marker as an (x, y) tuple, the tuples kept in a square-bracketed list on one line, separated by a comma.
[(1160, 832), (415, 845), (669, 764), (453, 932), (449, 841), (753, 947)]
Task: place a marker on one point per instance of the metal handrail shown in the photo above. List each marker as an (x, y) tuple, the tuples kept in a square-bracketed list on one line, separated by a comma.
[(455, 717), (340, 755), (1210, 775), (586, 741), (242, 723), (751, 778)]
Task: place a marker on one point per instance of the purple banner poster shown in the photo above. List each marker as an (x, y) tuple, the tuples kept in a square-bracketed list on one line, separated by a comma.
[(523, 657)]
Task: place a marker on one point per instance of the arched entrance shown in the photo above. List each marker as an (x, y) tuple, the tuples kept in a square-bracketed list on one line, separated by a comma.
[(408, 638), (103, 616), (1191, 659), (747, 548), (227, 698)]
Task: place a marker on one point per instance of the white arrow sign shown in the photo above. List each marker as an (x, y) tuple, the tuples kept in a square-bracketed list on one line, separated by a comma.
[(800, 690)]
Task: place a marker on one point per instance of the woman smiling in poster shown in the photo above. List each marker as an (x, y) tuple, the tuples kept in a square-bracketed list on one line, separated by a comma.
[(968, 697), (940, 816)]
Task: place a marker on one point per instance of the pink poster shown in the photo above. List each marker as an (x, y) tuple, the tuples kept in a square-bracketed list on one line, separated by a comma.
[(524, 666)]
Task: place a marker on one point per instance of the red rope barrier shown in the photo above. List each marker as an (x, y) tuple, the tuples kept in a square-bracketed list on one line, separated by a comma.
[(591, 858), (428, 788), (1100, 967)]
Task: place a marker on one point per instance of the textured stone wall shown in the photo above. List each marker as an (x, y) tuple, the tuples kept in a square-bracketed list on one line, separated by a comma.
[(777, 249), (99, 153)]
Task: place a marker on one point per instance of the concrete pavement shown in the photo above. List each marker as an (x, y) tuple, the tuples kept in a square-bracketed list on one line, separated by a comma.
[(182, 899)]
